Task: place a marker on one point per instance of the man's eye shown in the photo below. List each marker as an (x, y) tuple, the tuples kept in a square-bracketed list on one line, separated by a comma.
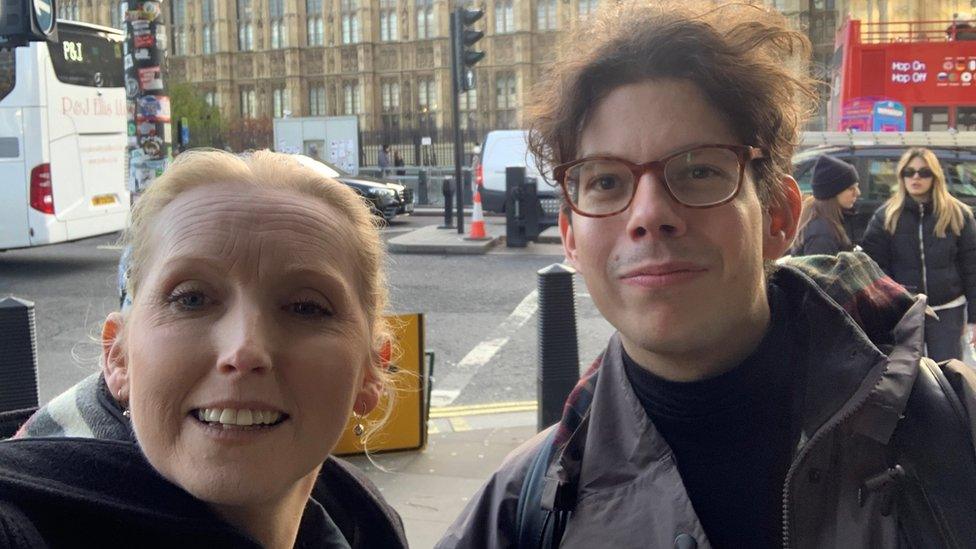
[(189, 300), (309, 308), (604, 183), (703, 172)]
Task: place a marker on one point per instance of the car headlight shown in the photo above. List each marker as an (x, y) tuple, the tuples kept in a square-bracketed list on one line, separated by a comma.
[(375, 191)]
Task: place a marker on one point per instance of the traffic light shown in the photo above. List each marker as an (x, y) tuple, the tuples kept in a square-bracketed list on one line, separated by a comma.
[(464, 38), (23, 21)]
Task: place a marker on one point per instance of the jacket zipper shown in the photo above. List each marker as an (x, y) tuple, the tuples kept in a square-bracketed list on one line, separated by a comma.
[(921, 248), (817, 437)]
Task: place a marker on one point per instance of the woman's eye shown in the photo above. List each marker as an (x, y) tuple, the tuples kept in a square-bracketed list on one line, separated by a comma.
[(189, 300), (309, 308)]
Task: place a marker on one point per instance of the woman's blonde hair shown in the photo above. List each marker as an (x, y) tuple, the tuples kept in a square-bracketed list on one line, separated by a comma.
[(950, 212), (200, 167)]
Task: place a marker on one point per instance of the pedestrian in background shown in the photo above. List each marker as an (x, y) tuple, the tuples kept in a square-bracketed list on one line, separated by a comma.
[(398, 162), (925, 239), (384, 160), (835, 190)]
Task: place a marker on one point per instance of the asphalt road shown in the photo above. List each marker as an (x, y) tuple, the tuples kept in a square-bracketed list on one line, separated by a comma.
[(479, 312)]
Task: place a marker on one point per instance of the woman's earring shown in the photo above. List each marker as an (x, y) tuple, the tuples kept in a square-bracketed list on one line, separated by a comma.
[(125, 410), (358, 429)]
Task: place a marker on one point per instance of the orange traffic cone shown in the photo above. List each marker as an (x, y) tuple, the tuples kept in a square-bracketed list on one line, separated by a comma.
[(477, 218)]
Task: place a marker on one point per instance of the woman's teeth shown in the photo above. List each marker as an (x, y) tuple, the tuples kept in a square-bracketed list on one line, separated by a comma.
[(243, 418)]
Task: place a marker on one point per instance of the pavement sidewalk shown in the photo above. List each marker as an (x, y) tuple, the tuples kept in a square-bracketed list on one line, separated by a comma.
[(430, 487), (434, 240)]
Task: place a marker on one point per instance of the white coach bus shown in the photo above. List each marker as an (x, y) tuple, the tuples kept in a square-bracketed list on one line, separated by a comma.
[(63, 138)]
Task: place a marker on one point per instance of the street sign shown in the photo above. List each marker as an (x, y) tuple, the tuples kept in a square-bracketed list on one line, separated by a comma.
[(44, 15), (406, 427)]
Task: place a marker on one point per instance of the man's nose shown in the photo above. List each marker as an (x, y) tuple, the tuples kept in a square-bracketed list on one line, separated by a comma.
[(244, 340), (653, 211)]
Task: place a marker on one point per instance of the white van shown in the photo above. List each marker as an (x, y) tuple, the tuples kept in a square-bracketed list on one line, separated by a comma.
[(63, 139), (504, 148)]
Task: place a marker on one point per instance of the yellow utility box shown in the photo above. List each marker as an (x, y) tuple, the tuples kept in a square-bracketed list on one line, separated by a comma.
[(406, 429)]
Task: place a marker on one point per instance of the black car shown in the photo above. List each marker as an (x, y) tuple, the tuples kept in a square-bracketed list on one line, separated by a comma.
[(386, 199), (875, 166)]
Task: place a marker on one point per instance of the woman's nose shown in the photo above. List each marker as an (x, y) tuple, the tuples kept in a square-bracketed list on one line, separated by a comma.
[(244, 341)]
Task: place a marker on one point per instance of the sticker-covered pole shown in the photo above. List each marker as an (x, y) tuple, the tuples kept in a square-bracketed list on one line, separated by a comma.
[(150, 129)]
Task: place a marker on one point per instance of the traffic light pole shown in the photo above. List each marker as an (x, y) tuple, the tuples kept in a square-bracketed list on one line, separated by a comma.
[(462, 80), (455, 108)]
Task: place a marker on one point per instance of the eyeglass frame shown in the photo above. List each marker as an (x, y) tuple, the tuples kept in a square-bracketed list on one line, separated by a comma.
[(745, 154)]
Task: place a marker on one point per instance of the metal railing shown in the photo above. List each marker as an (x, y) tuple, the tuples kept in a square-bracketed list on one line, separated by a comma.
[(427, 187), (917, 31), (898, 139)]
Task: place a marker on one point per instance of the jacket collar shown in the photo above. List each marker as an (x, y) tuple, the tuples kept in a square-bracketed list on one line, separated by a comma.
[(862, 335), (915, 207)]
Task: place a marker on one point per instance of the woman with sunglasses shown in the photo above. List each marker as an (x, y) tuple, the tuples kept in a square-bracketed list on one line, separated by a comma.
[(925, 239)]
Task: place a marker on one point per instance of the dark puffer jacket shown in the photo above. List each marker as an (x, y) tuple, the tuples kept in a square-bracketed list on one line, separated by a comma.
[(949, 268), (819, 238)]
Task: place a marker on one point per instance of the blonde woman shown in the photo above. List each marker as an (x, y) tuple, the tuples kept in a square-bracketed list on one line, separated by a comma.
[(925, 239), (256, 330), (835, 191)]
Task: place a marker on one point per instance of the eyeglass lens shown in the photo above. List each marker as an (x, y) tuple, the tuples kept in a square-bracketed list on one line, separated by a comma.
[(700, 177), (924, 173)]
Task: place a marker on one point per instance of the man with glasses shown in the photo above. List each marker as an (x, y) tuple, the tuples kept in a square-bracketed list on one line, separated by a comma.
[(739, 404)]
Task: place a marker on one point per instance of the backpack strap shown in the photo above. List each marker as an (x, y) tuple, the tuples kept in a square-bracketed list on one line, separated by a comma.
[(530, 518), (933, 444)]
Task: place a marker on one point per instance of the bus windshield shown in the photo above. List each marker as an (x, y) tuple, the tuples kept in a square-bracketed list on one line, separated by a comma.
[(85, 57)]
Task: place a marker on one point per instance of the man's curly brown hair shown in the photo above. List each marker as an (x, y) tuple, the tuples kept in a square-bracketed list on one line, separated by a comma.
[(745, 59)]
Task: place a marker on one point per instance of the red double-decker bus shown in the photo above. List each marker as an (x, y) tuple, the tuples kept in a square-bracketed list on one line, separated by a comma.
[(904, 76)]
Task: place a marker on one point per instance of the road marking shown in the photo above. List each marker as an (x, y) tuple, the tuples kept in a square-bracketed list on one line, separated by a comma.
[(115, 247), (452, 385), (482, 409)]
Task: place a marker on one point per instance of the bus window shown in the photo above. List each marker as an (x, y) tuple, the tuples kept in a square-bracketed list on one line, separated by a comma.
[(8, 72), (966, 119), (930, 119), (87, 59), (882, 178)]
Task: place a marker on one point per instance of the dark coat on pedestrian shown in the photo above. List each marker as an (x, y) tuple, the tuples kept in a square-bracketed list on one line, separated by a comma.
[(948, 269), (818, 237), (87, 411)]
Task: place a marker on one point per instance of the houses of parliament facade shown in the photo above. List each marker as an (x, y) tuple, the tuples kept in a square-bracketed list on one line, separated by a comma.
[(388, 61)]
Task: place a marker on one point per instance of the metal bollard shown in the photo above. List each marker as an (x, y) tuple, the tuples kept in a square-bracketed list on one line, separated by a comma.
[(422, 187), (514, 228), (558, 369), (18, 355), (447, 189)]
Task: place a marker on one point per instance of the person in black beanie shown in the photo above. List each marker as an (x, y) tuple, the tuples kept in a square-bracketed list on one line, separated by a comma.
[(835, 190)]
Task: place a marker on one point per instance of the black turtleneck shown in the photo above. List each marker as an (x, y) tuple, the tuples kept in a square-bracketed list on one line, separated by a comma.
[(732, 435)]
